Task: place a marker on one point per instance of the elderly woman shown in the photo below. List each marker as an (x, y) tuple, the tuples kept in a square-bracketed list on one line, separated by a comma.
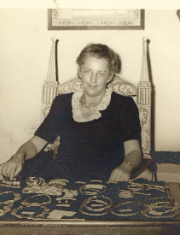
[(99, 129)]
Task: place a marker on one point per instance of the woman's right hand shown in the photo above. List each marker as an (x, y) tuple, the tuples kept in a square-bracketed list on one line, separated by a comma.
[(11, 168)]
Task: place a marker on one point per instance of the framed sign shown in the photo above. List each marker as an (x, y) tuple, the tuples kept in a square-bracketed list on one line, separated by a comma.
[(83, 19)]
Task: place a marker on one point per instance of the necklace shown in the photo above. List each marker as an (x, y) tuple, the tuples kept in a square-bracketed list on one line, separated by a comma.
[(26, 203), (88, 106)]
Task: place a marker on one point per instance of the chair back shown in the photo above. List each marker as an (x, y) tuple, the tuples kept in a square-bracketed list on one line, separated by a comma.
[(140, 92)]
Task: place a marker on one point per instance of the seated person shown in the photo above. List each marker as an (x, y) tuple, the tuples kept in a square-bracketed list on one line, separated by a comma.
[(99, 129)]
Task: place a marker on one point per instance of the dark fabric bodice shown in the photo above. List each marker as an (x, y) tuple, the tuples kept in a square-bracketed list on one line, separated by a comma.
[(89, 149)]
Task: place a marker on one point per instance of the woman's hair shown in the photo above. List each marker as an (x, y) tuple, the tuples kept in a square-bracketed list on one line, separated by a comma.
[(100, 51)]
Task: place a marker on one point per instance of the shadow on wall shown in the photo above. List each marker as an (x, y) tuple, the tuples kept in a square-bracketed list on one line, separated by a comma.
[(153, 96), (178, 14)]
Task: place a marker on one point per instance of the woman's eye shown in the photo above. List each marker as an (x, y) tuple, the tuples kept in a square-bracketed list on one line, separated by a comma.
[(101, 74), (87, 71)]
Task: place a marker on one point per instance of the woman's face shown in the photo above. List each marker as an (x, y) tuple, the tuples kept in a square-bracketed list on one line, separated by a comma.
[(95, 74)]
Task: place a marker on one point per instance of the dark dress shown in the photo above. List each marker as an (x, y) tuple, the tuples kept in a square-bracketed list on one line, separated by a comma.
[(89, 150)]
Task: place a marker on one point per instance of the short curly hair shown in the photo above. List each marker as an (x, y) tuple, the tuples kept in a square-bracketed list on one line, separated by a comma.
[(100, 51)]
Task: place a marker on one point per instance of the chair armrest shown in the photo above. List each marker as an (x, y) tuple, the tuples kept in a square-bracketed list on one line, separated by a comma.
[(145, 164)]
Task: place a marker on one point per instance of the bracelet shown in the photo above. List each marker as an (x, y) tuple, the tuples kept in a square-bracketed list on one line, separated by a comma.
[(121, 211), (149, 214), (96, 181), (97, 199), (150, 209), (125, 194), (17, 197), (5, 209), (14, 212), (19, 155), (128, 164), (92, 189), (92, 214), (152, 212), (80, 182), (135, 186), (156, 187), (157, 200), (59, 181), (26, 203), (93, 211), (10, 184)]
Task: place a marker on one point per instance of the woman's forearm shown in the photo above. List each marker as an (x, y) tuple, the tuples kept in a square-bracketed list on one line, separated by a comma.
[(123, 172), (32, 147), (27, 150)]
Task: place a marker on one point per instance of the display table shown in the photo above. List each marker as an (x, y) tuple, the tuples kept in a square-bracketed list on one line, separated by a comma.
[(94, 207)]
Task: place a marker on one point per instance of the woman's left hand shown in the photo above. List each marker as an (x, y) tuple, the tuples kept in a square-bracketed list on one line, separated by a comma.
[(119, 174)]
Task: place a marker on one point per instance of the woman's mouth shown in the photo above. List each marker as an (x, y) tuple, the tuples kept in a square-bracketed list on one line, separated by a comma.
[(91, 86)]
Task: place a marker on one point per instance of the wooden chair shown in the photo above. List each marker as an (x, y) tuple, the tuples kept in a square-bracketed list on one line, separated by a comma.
[(140, 92)]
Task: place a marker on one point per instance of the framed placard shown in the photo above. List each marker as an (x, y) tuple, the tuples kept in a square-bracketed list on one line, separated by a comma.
[(83, 19)]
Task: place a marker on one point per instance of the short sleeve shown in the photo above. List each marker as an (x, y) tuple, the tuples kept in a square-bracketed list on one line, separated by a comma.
[(49, 128), (131, 122)]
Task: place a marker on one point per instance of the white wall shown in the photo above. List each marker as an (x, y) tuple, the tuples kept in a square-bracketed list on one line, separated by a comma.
[(25, 45)]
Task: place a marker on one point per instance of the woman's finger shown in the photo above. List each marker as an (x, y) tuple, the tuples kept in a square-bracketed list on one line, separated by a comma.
[(114, 177), (11, 173), (18, 169), (7, 171), (4, 170), (1, 167), (111, 179)]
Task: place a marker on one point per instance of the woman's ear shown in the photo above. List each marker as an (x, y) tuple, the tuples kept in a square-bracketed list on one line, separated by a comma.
[(79, 73), (111, 76)]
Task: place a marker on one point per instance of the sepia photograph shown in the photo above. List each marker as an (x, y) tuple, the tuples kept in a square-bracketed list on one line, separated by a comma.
[(90, 118)]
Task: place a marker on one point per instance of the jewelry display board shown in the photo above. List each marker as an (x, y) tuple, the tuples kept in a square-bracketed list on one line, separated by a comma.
[(60, 199)]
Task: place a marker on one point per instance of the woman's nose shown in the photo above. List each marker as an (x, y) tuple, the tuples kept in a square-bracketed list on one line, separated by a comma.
[(94, 78)]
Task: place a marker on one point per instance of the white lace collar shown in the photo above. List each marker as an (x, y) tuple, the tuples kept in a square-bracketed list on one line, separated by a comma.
[(77, 115)]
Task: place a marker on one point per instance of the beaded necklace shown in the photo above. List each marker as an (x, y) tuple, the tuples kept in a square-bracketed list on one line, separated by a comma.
[(88, 106)]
